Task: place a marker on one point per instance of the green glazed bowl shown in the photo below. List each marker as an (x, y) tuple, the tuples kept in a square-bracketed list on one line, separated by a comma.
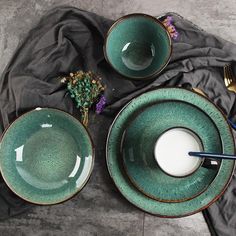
[(127, 188), (138, 155), (138, 46), (46, 156)]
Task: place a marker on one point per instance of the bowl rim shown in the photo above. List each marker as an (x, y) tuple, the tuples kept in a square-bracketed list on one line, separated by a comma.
[(164, 215), (193, 133), (157, 21), (92, 155)]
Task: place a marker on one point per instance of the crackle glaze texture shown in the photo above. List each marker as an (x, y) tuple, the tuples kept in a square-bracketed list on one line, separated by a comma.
[(138, 150), (138, 46), (136, 197), (46, 156)]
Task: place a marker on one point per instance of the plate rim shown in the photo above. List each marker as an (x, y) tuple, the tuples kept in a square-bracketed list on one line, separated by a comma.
[(92, 156)]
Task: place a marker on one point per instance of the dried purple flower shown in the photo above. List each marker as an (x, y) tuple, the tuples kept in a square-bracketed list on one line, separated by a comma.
[(101, 104), (167, 22), (175, 35)]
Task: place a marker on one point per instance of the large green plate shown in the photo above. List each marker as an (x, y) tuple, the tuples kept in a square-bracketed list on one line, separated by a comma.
[(136, 197), (46, 156), (138, 150)]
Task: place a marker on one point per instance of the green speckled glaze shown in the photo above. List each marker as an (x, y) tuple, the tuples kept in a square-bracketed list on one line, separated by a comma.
[(138, 46), (139, 141), (136, 197), (46, 156)]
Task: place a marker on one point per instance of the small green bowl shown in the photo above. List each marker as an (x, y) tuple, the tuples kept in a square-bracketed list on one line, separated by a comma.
[(138, 46), (46, 156)]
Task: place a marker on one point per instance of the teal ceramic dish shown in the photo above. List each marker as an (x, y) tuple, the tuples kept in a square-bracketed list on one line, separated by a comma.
[(46, 156), (136, 197), (138, 46), (138, 155)]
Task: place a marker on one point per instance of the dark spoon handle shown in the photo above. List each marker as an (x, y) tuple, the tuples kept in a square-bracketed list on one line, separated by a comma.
[(212, 155)]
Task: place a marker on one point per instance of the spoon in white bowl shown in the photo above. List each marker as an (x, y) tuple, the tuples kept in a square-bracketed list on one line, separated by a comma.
[(212, 155)]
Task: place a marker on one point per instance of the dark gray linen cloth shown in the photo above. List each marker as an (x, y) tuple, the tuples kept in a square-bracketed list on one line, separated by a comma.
[(68, 39)]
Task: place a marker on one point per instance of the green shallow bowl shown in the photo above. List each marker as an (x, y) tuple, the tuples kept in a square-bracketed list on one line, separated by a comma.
[(46, 156), (138, 150), (136, 197), (138, 46)]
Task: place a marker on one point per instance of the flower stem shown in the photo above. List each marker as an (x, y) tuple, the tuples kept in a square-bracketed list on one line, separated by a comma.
[(85, 117)]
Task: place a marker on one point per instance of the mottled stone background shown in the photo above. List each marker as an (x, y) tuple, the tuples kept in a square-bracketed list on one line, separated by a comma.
[(99, 209)]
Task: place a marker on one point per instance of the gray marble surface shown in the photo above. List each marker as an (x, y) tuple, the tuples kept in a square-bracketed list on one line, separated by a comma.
[(99, 209)]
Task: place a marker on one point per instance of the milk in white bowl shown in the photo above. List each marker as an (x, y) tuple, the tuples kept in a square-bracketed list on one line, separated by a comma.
[(171, 152)]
